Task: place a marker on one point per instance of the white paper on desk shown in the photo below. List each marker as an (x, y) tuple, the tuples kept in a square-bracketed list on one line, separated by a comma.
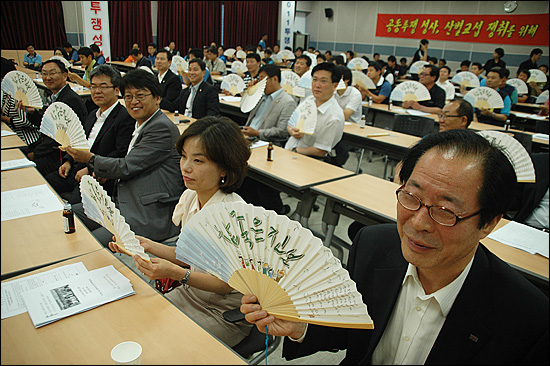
[(12, 301), (77, 294), (414, 112), (258, 143), (29, 201), (230, 98), (529, 115), (17, 163), (541, 136), (522, 237), (348, 123), (7, 133)]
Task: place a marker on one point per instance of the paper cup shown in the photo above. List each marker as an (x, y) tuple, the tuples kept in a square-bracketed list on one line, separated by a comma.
[(126, 353)]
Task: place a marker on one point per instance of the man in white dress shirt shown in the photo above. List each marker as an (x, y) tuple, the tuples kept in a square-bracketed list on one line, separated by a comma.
[(444, 83)]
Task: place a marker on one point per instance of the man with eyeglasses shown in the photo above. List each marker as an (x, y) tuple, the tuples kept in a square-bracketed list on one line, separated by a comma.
[(428, 77), (435, 294), (108, 130), (457, 114), (148, 179)]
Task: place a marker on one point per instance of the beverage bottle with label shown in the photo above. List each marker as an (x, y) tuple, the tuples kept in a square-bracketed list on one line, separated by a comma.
[(68, 218)]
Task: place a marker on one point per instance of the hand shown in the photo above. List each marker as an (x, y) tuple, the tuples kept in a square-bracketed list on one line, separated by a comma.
[(533, 84), (82, 172), (295, 132), (64, 170), (157, 269), (407, 104), (26, 109), (144, 242), (252, 82), (81, 156), (99, 179), (485, 111), (249, 131), (277, 327), (226, 92), (241, 74), (72, 76)]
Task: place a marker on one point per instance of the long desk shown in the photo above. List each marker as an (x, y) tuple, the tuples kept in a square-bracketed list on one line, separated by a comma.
[(122, 66), (166, 334), (12, 141), (232, 110), (294, 174), (369, 200)]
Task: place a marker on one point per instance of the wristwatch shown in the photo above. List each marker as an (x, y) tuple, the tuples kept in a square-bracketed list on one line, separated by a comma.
[(185, 278), (294, 149), (90, 164)]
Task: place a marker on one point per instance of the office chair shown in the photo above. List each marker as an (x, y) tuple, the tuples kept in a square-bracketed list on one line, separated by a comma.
[(254, 342)]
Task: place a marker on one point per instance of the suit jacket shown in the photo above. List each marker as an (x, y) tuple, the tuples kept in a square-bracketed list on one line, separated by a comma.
[(171, 89), (275, 118), (507, 314), (149, 182), (144, 62), (206, 102)]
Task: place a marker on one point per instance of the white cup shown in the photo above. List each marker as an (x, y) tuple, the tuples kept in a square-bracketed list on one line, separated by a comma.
[(127, 353)]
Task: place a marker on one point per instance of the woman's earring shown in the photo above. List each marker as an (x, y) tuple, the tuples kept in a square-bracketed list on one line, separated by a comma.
[(222, 181)]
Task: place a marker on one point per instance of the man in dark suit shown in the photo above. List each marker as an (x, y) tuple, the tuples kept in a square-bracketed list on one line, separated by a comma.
[(200, 98), (45, 153), (170, 83), (139, 59), (108, 129), (435, 294), (148, 179)]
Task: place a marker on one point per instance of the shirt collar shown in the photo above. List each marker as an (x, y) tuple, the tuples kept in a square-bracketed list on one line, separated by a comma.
[(107, 112), (275, 94), (139, 128), (325, 106), (57, 94), (381, 81)]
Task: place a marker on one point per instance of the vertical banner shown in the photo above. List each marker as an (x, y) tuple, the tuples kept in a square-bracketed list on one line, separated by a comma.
[(287, 24), (95, 16)]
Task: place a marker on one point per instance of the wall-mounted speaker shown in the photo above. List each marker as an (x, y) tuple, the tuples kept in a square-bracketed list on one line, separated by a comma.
[(329, 12)]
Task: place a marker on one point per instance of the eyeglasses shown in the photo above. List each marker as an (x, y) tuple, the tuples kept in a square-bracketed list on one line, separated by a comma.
[(47, 74), (424, 74), (101, 87), (445, 116), (321, 81), (439, 214), (139, 97)]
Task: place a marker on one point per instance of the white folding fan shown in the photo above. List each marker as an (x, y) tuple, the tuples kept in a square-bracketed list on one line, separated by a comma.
[(286, 55), (99, 207), (148, 69), (542, 97), (359, 78), (519, 85), (417, 67), (515, 152), (484, 97), (289, 81), (307, 116), (20, 86), (537, 76), (238, 66), (229, 52), (341, 85), (466, 78), (283, 264), (305, 80), (62, 59), (313, 58), (358, 63), (344, 56), (252, 96), (61, 123), (233, 83), (410, 90), (179, 64), (241, 54)]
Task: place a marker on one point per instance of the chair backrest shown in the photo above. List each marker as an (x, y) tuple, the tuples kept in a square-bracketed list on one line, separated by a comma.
[(414, 125), (255, 342)]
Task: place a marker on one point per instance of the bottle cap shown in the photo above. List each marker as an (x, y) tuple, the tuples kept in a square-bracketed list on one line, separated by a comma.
[(67, 206)]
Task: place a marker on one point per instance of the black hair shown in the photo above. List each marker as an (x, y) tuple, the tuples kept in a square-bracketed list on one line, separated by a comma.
[(321, 56), (346, 73), (254, 55), (153, 44), (200, 62), (305, 57), (141, 79), (434, 71), (59, 64), (446, 67), (85, 51), (7, 66), (375, 54), (95, 48), (196, 52), (168, 53), (424, 41), (330, 67), (478, 64), (466, 63), (63, 52), (432, 59), (545, 66), (213, 49), (376, 64), (392, 59), (525, 71), (107, 70), (67, 45), (329, 52), (443, 60), (272, 70), (402, 59), (535, 51), (134, 52), (500, 52), (29, 44), (465, 108), (339, 60)]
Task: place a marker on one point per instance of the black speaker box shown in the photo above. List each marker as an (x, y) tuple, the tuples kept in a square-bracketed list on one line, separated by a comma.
[(329, 12)]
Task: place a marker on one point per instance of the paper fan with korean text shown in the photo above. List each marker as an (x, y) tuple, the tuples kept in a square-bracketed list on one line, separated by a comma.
[(519, 85), (62, 124), (484, 97), (410, 90), (179, 64), (537, 76), (252, 96), (515, 152), (543, 97), (358, 63), (256, 251), (98, 206), (417, 67), (233, 83), (466, 78), (20, 86), (62, 59), (307, 116), (289, 81), (238, 66), (359, 78), (241, 54), (229, 52), (286, 55)]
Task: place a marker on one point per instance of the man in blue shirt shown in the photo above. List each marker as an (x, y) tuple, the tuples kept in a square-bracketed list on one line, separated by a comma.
[(99, 58), (262, 41), (152, 49), (32, 60), (496, 116), (383, 88), (73, 54)]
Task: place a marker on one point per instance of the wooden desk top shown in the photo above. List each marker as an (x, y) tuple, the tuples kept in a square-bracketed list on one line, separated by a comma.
[(395, 110), (392, 137), (232, 104), (12, 154), (298, 170), (217, 77), (121, 63), (12, 141), (530, 105), (165, 333)]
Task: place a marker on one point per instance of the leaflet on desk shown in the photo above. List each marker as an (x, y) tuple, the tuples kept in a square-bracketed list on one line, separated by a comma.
[(78, 294), (523, 237)]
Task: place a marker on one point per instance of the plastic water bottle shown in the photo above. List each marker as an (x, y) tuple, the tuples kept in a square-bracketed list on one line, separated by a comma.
[(363, 121), (370, 101), (133, 63), (390, 105), (176, 117)]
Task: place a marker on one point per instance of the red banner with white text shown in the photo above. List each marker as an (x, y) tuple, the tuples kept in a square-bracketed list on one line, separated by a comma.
[(521, 29)]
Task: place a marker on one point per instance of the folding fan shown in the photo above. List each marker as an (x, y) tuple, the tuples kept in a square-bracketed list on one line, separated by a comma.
[(252, 96), (344, 56), (305, 80), (341, 85), (62, 59), (286, 55), (519, 85), (542, 97), (99, 207), (358, 63), (417, 67), (179, 64), (359, 78), (484, 97), (238, 66), (20, 86), (147, 69), (313, 58), (233, 83), (537, 76), (289, 81), (229, 52), (410, 90), (241, 54), (307, 116), (466, 78), (61, 123), (288, 269), (515, 152)]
